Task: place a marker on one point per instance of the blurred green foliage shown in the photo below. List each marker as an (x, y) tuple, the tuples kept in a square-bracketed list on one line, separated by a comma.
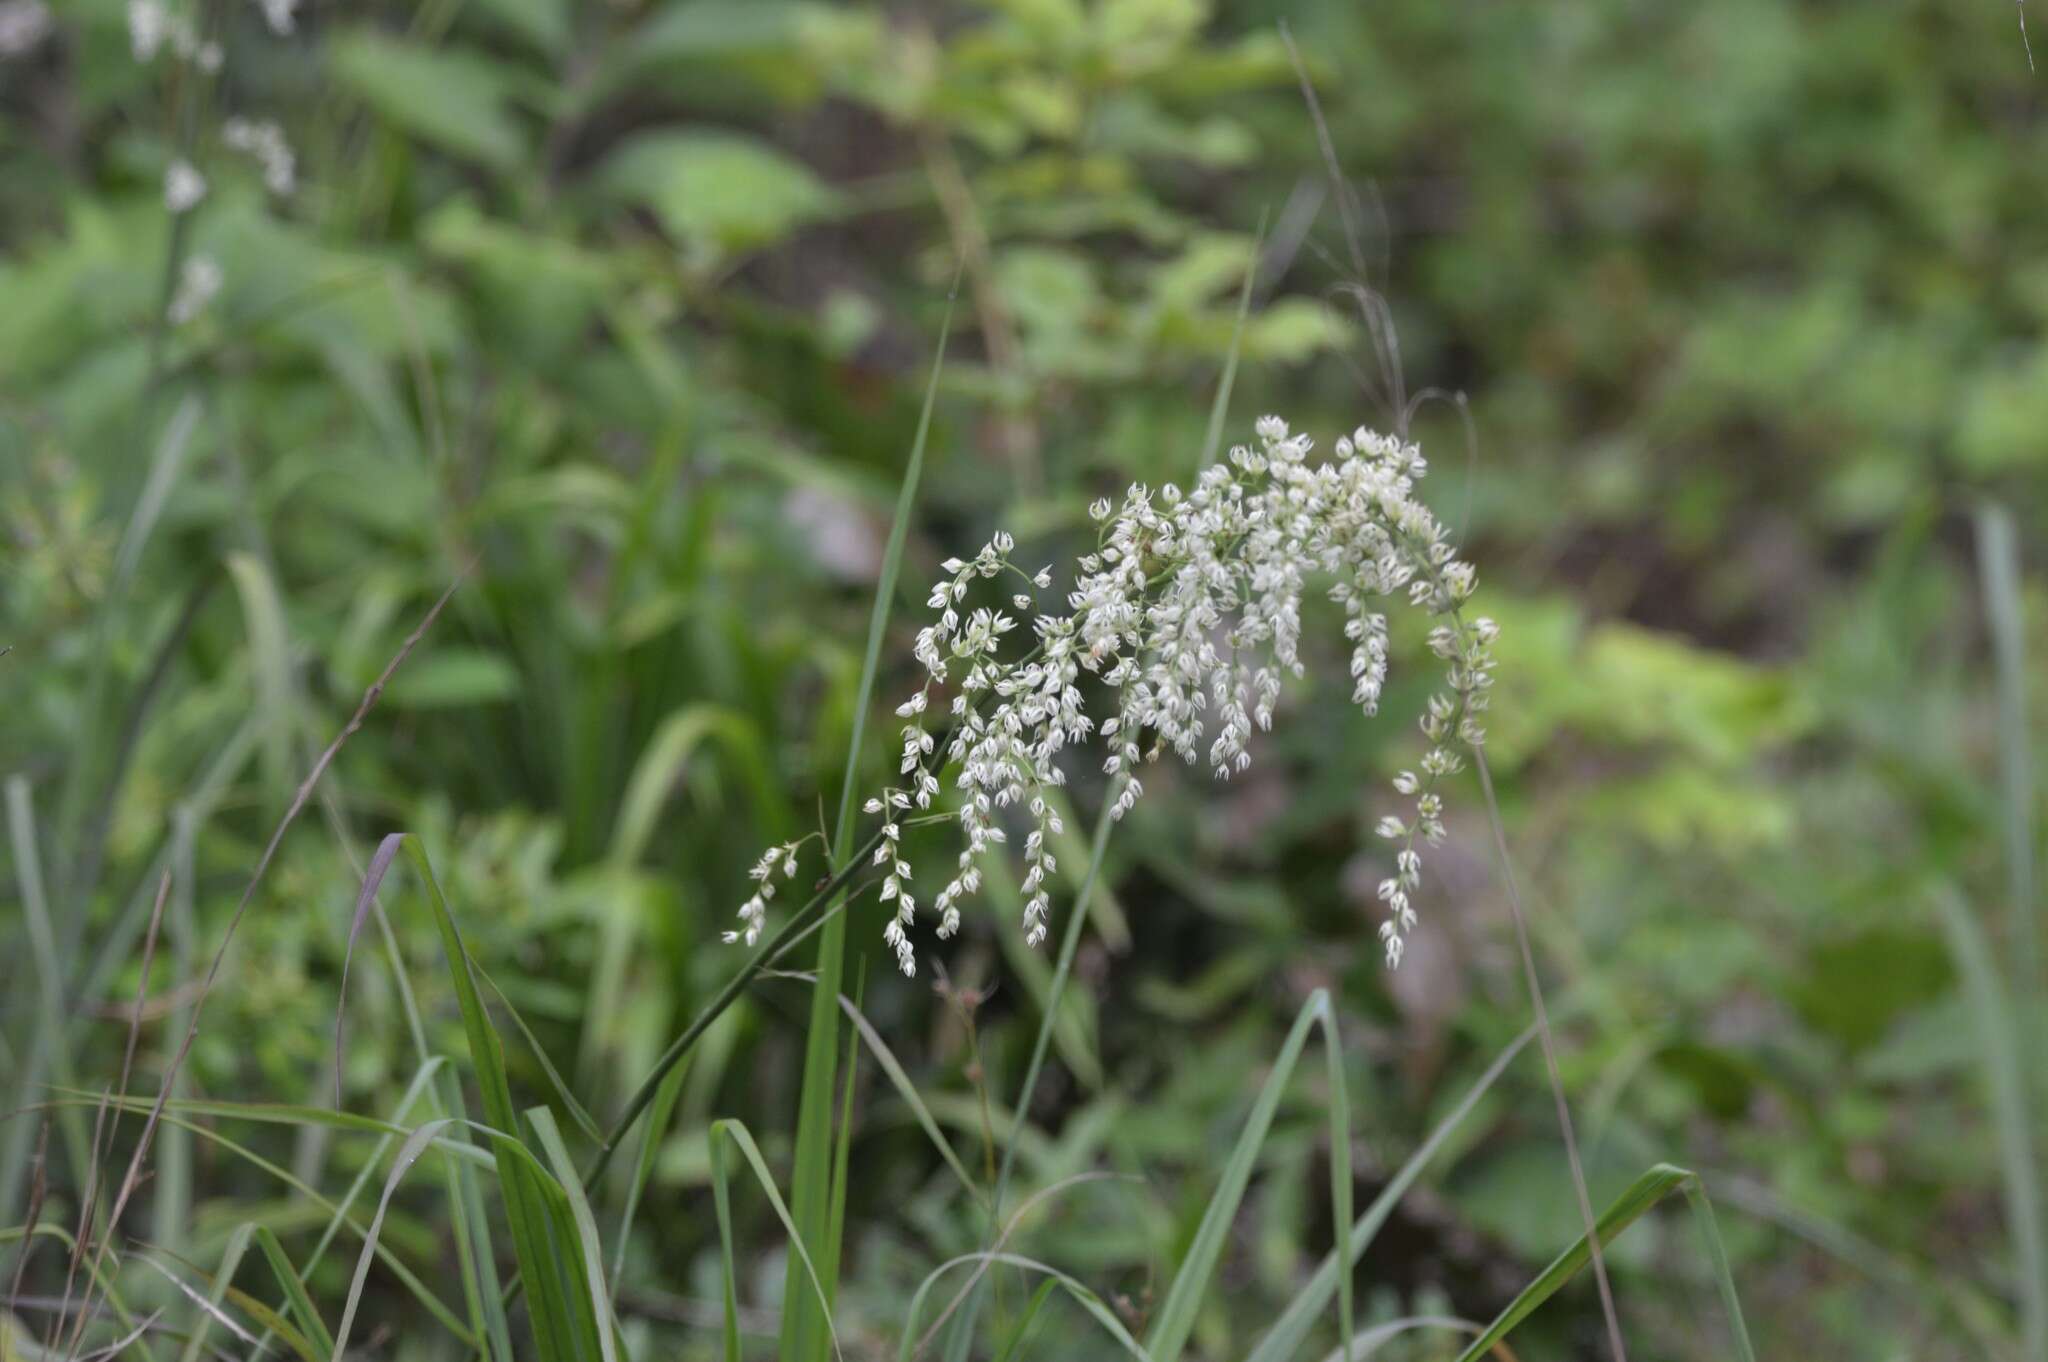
[(619, 312)]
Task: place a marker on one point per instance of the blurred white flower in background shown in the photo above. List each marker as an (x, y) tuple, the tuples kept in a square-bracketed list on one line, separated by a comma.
[(198, 282), (23, 24), (281, 15), (152, 27), (263, 141), (184, 187), (842, 538)]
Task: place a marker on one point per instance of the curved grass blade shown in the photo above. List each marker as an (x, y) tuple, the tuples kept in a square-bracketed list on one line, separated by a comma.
[(1366, 1342), (1013, 1345), (1292, 1328), (1646, 1191), (527, 1209), (265, 1113), (908, 1092), (737, 1132), (643, 1167), (230, 1259), (395, 1265), (1717, 1259), (600, 1321), (408, 1154), (1998, 1034), (209, 1308), (1176, 1317), (481, 1290), (974, 1279), (299, 1303), (556, 1085), (1087, 1299), (49, 1229)]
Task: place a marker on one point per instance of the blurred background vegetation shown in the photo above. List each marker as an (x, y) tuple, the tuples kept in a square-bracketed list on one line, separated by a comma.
[(630, 305)]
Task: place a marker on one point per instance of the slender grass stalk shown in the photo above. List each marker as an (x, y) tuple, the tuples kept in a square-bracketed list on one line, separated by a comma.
[(812, 1191), (1998, 564), (1999, 1041), (1564, 1112)]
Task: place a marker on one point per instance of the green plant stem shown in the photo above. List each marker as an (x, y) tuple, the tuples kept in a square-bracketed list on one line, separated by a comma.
[(1564, 1111), (799, 921)]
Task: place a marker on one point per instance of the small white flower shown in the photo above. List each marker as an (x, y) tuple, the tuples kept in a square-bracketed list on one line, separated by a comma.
[(281, 15), (149, 26), (198, 281), (23, 25), (184, 187)]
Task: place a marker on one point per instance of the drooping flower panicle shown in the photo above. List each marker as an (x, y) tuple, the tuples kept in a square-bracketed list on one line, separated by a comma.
[(1189, 612)]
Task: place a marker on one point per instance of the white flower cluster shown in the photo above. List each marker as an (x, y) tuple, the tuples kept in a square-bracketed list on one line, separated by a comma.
[(754, 912), (153, 27), (1189, 611), (199, 279), (263, 141)]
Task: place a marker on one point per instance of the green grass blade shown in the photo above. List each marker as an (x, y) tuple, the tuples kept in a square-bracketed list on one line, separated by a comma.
[(811, 1190), (1291, 1330), (47, 1229), (730, 1293), (907, 1090), (1999, 1039), (1998, 563), (173, 1208), (842, 1143), (1366, 1342), (408, 1154), (1176, 1317), (296, 1300), (413, 1092), (230, 1259), (478, 1262), (1717, 1260), (744, 1142), (51, 1051), (526, 1207), (1640, 1195), (1013, 1346), (207, 1306), (585, 1225), (431, 1303), (1340, 1168), (556, 1084), (1081, 1295), (1220, 407), (643, 1166)]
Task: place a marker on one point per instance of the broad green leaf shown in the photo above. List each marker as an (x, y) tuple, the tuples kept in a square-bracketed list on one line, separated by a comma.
[(721, 192), (452, 99)]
